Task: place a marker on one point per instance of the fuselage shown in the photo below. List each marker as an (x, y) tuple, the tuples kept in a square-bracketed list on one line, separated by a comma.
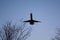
[(31, 21)]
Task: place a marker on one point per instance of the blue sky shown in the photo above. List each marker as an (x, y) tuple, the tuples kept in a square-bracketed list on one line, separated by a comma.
[(47, 11)]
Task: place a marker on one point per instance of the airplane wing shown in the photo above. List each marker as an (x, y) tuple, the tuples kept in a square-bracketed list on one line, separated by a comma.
[(27, 21), (36, 21)]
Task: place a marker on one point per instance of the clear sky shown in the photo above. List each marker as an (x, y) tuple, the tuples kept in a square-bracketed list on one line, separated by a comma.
[(47, 11)]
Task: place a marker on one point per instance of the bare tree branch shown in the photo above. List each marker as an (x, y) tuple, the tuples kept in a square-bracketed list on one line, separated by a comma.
[(15, 32), (57, 37)]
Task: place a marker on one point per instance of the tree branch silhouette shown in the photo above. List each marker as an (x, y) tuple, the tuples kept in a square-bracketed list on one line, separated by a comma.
[(15, 32), (57, 36)]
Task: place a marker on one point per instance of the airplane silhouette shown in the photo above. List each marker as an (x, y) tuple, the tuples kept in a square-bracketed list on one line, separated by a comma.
[(31, 20)]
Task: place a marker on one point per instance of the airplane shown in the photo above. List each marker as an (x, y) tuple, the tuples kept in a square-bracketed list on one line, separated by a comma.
[(31, 21)]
